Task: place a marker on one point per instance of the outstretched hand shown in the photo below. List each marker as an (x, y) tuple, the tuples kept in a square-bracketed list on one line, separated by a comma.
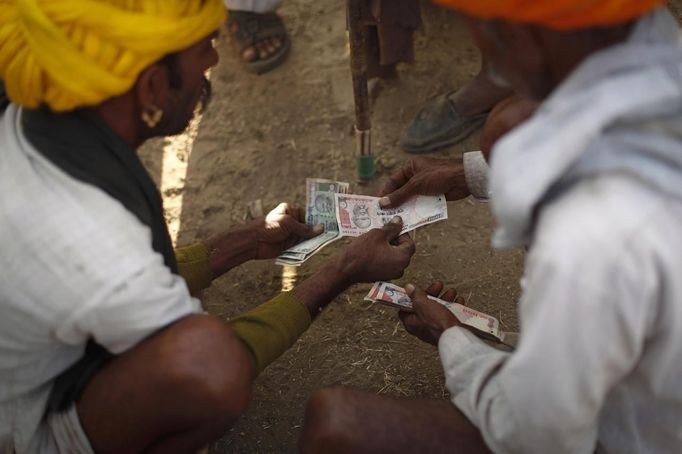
[(425, 176), (429, 319), (378, 255), (261, 238), (282, 228)]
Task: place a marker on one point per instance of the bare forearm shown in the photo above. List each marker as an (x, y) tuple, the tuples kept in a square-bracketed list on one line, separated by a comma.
[(323, 286), (231, 249)]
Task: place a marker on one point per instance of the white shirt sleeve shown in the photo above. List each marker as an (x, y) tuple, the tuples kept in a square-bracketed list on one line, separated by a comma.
[(145, 302), (476, 171), (89, 269), (585, 317), (77, 263)]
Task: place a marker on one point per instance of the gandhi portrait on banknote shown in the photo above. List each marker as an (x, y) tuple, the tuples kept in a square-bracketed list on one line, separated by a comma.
[(324, 203), (361, 217)]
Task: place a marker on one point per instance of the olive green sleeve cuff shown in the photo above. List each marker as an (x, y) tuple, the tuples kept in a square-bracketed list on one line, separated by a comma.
[(271, 328), (194, 267)]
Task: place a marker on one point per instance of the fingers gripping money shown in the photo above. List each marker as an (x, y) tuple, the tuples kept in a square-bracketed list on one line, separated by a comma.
[(342, 214), (321, 211), (478, 322), (329, 205), (358, 214)]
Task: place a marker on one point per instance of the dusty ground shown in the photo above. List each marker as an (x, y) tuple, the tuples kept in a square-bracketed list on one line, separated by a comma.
[(261, 137)]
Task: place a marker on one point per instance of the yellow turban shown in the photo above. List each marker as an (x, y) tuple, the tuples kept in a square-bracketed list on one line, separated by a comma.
[(73, 53), (556, 14)]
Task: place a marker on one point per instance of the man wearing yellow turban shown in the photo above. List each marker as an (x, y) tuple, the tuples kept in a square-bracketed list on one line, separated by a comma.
[(591, 184), (102, 347)]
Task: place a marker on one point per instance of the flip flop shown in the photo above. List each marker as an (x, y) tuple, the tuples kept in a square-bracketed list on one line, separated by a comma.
[(253, 28), (438, 125)]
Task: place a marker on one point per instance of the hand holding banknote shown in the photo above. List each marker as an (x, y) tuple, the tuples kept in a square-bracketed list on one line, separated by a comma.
[(428, 319), (425, 175), (321, 211), (262, 238), (380, 254), (281, 228), (358, 214)]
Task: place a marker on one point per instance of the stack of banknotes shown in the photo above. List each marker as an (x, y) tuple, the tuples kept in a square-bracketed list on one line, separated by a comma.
[(482, 324), (320, 209), (343, 214)]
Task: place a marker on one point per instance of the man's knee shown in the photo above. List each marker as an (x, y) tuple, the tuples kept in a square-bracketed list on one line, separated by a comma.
[(205, 362), (327, 422)]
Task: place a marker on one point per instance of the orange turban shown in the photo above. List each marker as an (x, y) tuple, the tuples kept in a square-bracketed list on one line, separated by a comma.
[(556, 14)]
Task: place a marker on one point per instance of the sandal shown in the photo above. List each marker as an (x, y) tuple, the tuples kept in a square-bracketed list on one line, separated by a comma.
[(249, 29), (438, 125)]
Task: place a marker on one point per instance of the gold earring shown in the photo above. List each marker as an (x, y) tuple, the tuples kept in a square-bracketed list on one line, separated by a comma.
[(152, 119)]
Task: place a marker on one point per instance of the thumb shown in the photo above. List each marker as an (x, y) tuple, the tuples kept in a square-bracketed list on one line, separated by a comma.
[(399, 196), (299, 229), (393, 228), (418, 297), (435, 315)]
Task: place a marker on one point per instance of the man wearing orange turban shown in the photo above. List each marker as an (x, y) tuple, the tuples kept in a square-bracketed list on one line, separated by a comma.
[(591, 184), (102, 347)]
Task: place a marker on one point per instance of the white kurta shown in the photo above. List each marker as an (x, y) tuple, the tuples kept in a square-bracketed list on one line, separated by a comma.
[(75, 265), (600, 354)]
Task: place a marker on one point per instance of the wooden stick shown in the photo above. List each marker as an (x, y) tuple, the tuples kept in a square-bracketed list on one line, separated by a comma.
[(358, 66)]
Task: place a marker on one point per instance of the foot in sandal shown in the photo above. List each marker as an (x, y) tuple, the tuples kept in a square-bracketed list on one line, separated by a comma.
[(261, 40)]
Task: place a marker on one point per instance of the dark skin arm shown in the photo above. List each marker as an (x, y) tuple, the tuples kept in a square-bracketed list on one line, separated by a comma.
[(381, 254), (425, 176), (432, 176), (262, 238)]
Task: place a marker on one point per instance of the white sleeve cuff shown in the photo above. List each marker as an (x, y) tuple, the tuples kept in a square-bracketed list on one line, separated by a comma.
[(476, 171)]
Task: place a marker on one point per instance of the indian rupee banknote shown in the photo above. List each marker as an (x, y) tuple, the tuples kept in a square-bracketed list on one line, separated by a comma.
[(357, 214), (320, 209), (320, 202), (393, 295)]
